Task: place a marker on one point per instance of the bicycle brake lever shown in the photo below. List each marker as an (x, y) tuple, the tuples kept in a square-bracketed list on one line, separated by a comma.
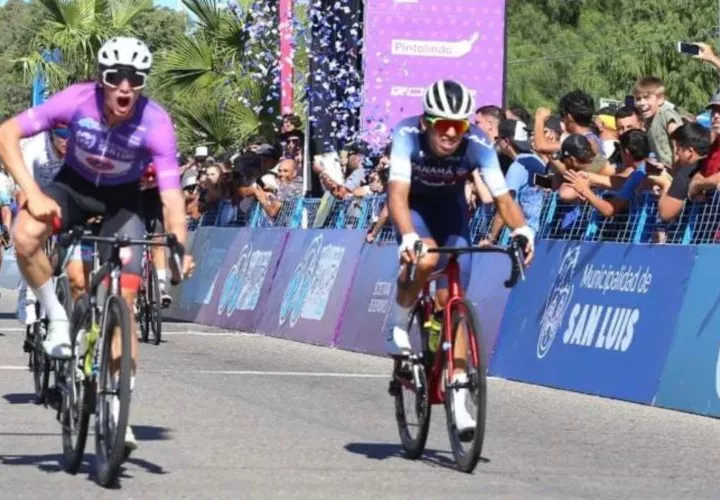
[(517, 256), (412, 268)]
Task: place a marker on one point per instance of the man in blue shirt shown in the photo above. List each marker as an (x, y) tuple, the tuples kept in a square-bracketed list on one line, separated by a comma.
[(513, 141)]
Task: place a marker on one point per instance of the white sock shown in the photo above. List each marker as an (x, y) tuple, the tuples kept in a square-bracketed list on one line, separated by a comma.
[(401, 316), (162, 278), (46, 295)]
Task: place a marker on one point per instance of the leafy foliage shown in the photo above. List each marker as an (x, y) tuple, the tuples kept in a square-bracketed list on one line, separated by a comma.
[(604, 46), (223, 73)]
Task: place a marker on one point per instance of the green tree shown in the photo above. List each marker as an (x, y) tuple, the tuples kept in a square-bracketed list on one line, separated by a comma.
[(223, 74), (78, 28), (604, 46), (159, 27), (15, 17)]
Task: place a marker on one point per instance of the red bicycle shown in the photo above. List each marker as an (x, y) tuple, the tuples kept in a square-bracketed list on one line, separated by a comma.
[(423, 378)]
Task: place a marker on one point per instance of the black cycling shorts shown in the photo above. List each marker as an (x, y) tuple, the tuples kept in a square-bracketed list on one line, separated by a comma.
[(152, 210), (119, 207)]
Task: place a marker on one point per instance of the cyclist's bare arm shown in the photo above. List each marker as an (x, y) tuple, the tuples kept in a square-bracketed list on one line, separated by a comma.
[(174, 213), (510, 211), (399, 207), (11, 155)]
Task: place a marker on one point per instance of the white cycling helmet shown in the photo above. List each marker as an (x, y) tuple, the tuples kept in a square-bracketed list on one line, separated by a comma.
[(448, 99), (125, 51)]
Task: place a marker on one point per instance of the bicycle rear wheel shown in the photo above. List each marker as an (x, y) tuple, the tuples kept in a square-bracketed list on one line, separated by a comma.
[(154, 304), (75, 410), (112, 390), (39, 362), (143, 313), (467, 448), (412, 405)]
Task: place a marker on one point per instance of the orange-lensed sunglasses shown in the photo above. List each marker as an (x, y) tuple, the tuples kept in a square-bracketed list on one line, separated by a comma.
[(442, 125)]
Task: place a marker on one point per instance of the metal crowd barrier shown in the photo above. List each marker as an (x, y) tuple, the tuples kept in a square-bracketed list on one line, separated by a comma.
[(699, 222)]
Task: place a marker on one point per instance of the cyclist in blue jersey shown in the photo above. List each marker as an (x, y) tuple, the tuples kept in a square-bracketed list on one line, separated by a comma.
[(433, 156)]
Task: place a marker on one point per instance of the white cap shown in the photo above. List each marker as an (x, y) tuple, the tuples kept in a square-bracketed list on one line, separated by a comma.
[(201, 151), (189, 180)]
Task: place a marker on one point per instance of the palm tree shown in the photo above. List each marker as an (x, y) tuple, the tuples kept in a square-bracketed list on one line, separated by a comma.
[(77, 29), (223, 74)]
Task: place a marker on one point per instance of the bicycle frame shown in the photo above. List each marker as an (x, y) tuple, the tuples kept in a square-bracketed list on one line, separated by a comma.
[(456, 296), (452, 272)]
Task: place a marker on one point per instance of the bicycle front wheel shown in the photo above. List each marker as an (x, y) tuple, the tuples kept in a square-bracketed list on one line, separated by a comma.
[(113, 392), (466, 443), (75, 412), (412, 405)]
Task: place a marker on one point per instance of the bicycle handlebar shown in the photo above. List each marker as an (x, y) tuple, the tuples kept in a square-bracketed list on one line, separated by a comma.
[(515, 251), (80, 233)]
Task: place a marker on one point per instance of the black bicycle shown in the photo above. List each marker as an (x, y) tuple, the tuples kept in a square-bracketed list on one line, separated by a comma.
[(93, 380), (148, 302), (39, 363)]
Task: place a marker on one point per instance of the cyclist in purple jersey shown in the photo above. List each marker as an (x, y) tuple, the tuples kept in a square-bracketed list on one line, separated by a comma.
[(114, 132)]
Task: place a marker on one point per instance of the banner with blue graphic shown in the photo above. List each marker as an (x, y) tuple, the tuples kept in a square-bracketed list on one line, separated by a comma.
[(246, 275), (372, 297), (209, 247), (691, 378), (312, 282), (595, 318)]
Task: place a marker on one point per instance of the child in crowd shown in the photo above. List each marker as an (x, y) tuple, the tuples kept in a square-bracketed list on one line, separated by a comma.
[(660, 117)]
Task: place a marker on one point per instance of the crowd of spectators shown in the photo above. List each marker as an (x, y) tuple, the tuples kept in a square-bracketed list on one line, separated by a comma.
[(269, 172), (607, 158)]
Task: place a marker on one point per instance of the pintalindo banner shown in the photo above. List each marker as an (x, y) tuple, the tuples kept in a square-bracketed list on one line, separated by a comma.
[(409, 44)]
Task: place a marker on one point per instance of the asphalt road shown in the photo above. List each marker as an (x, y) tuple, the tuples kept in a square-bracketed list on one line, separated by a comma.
[(225, 415)]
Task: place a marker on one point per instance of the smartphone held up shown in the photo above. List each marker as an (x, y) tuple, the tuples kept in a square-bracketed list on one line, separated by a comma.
[(687, 48)]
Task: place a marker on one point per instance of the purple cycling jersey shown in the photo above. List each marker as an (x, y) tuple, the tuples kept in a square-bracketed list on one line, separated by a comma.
[(108, 155)]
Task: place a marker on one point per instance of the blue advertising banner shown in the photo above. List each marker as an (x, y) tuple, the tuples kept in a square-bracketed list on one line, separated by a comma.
[(310, 288), (371, 298), (489, 295), (209, 246), (597, 318), (246, 275), (691, 378)]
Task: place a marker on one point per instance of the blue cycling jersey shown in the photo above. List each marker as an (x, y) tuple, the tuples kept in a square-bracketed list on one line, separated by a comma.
[(430, 176)]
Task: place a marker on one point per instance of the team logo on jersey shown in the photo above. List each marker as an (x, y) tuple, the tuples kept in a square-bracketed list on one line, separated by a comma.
[(86, 140), (90, 123)]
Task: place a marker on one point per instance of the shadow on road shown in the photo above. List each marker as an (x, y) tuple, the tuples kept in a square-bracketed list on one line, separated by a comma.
[(53, 462), (8, 315), (20, 398), (151, 433), (382, 451)]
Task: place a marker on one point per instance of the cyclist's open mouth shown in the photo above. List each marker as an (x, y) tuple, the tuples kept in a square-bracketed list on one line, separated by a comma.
[(123, 103)]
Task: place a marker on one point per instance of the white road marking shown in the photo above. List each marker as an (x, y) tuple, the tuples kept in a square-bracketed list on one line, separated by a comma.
[(211, 334), (274, 373), (243, 372)]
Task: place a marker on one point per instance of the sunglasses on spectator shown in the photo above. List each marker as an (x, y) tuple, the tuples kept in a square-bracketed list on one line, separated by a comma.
[(114, 77), (62, 133), (442, 125)]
